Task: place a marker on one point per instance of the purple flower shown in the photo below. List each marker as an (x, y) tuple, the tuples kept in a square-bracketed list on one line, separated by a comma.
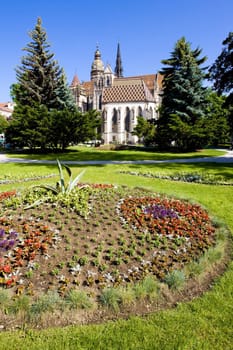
[(160, 212), (11, 243), (3, 243), (2, 233), (7, 240), (13, 235)]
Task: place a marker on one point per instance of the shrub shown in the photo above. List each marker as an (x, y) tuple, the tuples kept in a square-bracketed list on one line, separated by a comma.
[(77, 299), (110, 298), (175, 279), (46, 302), (148, 287)]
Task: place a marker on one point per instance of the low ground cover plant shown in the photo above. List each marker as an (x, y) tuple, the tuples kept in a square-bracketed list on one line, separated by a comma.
[(195, 177)]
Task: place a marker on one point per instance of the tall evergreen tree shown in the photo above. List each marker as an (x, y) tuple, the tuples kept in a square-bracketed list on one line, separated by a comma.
[(64, 97), (183, 99), (32, 130), (40, 79), (41, 92)]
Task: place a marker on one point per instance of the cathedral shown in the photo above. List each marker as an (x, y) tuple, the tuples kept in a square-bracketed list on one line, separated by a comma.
[(120, 100)]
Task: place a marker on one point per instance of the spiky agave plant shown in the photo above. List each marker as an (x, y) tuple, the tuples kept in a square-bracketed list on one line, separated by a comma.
[(61, 186)]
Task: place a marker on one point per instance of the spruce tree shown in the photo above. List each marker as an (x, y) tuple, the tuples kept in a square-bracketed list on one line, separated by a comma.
[(183, 99), (40, 79), (64, 97), (41, 92)]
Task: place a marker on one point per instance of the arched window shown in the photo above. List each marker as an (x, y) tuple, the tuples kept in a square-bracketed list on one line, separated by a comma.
[(127, 120), (151, 113), (114, 120), (104, 121), (132, 115), (140, 112)]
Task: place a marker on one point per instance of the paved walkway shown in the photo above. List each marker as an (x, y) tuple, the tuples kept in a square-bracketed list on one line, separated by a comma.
[(226, 158)]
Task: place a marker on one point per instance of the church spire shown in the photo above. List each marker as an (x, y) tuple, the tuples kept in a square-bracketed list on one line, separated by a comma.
[(118, 68)]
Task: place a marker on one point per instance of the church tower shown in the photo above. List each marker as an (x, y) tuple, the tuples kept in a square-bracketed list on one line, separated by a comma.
[(97, 67), (97, 76), (119, 67)]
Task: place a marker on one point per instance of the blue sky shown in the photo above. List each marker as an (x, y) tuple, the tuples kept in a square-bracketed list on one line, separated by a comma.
[(146, 30)]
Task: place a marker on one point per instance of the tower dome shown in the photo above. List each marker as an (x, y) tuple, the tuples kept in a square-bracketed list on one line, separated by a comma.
[(97, 66)]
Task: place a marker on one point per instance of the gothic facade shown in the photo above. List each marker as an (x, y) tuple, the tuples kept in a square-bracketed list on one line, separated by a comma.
[(120, 100)]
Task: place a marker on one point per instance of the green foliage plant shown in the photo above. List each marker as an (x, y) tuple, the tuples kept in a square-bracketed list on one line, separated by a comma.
[(110, 298), (147, 288), (61, 187), (78, 299), (175, 279), (46, 302)]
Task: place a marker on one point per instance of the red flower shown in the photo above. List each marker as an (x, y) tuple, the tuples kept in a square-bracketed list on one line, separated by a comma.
[(6, 269)]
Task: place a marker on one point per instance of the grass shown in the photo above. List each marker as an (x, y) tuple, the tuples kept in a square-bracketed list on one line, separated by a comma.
[(84, 153), (204, 323)]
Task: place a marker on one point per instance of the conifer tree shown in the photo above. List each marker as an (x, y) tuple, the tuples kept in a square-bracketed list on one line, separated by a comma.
[(41, 92), (40, 79), (183, 99), (64, 97)]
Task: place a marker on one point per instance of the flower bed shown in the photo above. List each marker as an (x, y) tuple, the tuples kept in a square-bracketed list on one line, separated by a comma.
[(194, 177), (125, 235)]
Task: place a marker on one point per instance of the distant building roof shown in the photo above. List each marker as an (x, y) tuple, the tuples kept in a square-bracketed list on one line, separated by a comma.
[(6, 107), (150, 80), (88, 86), (127, 90), (75, 82)]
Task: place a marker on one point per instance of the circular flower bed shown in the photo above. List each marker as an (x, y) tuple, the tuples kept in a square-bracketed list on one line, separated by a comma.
[(124, 236)]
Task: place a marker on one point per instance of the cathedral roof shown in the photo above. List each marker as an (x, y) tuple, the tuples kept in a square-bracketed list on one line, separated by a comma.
[(89, 87), (127, 90), (151, 79), (75, 82)]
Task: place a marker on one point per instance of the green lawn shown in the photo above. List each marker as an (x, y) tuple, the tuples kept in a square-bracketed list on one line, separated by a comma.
[(205, 323), (89, 153)]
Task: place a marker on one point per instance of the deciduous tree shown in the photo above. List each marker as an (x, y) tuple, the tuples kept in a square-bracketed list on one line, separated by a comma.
[(221, 73), (144, 130)]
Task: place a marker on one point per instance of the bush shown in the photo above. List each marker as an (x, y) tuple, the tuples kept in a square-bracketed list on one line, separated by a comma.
[(175, 279)]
